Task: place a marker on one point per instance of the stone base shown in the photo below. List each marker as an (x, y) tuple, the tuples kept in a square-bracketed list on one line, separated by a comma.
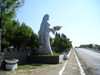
[(11, 66), (45, 59)]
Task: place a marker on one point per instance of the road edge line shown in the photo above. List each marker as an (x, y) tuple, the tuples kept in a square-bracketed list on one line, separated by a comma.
[(79, 65), (63, 68)]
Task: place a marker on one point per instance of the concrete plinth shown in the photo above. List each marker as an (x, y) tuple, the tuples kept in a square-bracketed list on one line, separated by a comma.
[(45, 59)]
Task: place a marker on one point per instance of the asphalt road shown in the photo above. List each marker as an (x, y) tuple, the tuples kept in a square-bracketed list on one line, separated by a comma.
[(90, 61)]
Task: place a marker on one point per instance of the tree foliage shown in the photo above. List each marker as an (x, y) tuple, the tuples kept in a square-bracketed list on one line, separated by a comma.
[(61, 43), (20, 36), (7, 10)]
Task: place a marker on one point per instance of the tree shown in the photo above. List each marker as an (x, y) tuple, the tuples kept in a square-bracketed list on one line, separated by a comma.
[(9, 37), (14, 34), (90, 46), (61, 43), (7, 10), (20, 37), (34, 42), (7, 13)]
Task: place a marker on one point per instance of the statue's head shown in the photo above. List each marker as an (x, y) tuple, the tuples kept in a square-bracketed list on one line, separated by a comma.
[(46, 17)]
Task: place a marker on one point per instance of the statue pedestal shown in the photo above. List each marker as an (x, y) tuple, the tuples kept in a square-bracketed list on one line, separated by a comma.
[(45, 59)]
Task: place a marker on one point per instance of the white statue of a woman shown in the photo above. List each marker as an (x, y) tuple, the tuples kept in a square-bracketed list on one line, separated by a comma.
[(45, 47)]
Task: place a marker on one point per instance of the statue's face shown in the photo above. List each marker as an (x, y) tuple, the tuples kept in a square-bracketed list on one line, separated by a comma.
[(46, 17)]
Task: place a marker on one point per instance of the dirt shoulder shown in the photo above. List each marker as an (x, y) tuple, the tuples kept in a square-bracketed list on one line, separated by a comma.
[(51, 69)]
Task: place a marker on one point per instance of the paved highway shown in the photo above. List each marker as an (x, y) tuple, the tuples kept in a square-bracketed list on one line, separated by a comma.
[(90, 60)]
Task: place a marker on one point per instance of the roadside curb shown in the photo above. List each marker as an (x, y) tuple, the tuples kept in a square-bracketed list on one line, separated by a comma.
[(63, 68), (79, 65)]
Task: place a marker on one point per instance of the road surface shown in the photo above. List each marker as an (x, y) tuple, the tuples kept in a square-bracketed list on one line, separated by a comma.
[(90, 60), (72, 67)]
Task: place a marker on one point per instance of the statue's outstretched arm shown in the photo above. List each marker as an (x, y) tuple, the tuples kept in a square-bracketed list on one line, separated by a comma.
[(52, 30)]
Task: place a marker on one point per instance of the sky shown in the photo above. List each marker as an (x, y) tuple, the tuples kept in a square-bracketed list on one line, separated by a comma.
[(80, 19)]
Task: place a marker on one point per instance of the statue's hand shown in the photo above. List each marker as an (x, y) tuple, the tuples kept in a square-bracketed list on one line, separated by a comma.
[(57, 27)]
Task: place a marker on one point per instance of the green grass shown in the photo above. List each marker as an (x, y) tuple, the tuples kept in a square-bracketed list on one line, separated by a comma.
[(54, 54), (26, 67), (4, 70), (50, 55), (21, 67)]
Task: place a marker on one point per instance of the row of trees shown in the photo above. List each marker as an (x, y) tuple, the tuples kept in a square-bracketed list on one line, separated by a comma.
[(13, 33), (19, 36), (94, 46)]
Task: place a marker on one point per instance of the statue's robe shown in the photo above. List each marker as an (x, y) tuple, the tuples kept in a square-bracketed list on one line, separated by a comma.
[(44, 31)]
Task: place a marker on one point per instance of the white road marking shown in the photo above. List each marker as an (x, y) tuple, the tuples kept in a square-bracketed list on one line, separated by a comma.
[(79, 65), (61, 71)]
